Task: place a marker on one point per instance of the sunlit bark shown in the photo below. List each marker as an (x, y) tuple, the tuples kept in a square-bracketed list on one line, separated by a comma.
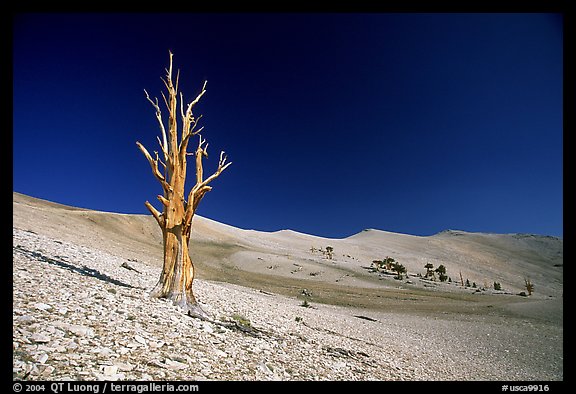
[(175, 219)]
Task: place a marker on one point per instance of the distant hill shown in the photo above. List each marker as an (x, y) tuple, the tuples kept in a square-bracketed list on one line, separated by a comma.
[(282, 260)]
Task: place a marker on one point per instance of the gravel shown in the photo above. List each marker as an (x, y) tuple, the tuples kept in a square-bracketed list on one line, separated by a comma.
[(79, 314)]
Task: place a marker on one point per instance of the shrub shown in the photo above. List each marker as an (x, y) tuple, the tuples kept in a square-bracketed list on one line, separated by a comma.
[(241, 320), (497, 286), (399, 269)]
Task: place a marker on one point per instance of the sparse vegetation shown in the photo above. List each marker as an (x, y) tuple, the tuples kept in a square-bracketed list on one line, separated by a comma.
[(306, 293), (399, 269), (529, 286), (429, 271), (385, 265), (441, 270), (329, 252), (241, 320)]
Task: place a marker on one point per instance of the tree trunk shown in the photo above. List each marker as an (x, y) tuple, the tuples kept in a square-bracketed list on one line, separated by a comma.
[(177, 275)]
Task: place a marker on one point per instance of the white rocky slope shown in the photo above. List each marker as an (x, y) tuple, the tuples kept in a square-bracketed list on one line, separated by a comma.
[(80, 314)]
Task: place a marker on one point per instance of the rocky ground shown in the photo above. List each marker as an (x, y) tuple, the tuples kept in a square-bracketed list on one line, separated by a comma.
[(81, 313)]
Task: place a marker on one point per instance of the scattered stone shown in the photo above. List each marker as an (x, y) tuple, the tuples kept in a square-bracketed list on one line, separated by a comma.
[(40, 338), (43, 307), (25, 319), (120, 333), (79, 330), (110, 370), (42, 358), (48, 370), (175, 364)]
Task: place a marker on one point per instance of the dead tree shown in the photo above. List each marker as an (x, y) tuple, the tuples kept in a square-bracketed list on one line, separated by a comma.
[(178, 208)]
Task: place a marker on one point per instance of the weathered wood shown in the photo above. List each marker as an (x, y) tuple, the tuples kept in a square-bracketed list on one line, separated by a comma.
[(175, 220)]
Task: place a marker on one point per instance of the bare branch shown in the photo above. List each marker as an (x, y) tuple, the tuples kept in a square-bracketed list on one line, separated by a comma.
[(163, 148), (195, 124), (154, 165), (200, 143), (194, 198), (182, 107), (158, 159), (163, 200), (157, 215), (170, 70), (177, 79), (193, 103), (222, 165), (161, 123), (165, 101)]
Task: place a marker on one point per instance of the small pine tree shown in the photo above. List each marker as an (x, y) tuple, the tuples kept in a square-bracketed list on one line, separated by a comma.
[(497, 286), (329, 251), (467, 283), (399, 269), (441, 270)]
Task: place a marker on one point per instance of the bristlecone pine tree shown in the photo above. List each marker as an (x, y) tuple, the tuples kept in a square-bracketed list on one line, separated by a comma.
[(178, 208)]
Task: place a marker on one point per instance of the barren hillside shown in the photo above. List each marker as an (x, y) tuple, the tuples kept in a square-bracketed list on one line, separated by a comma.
[(69, 261)]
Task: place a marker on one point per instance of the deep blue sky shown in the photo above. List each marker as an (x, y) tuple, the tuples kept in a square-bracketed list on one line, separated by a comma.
[(335, 122)]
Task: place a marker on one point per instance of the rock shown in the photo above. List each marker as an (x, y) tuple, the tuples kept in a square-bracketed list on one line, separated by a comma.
[(40, 338), (110, 370), (157, 345), (175, 365), (25, 319), (127, 367), (81, 330), (262, 366), (113, 377), (123, 350), (105, 351), (139, 339), (48, 370), (78, 330), (42, 306), (42, 358), (220, 353)]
